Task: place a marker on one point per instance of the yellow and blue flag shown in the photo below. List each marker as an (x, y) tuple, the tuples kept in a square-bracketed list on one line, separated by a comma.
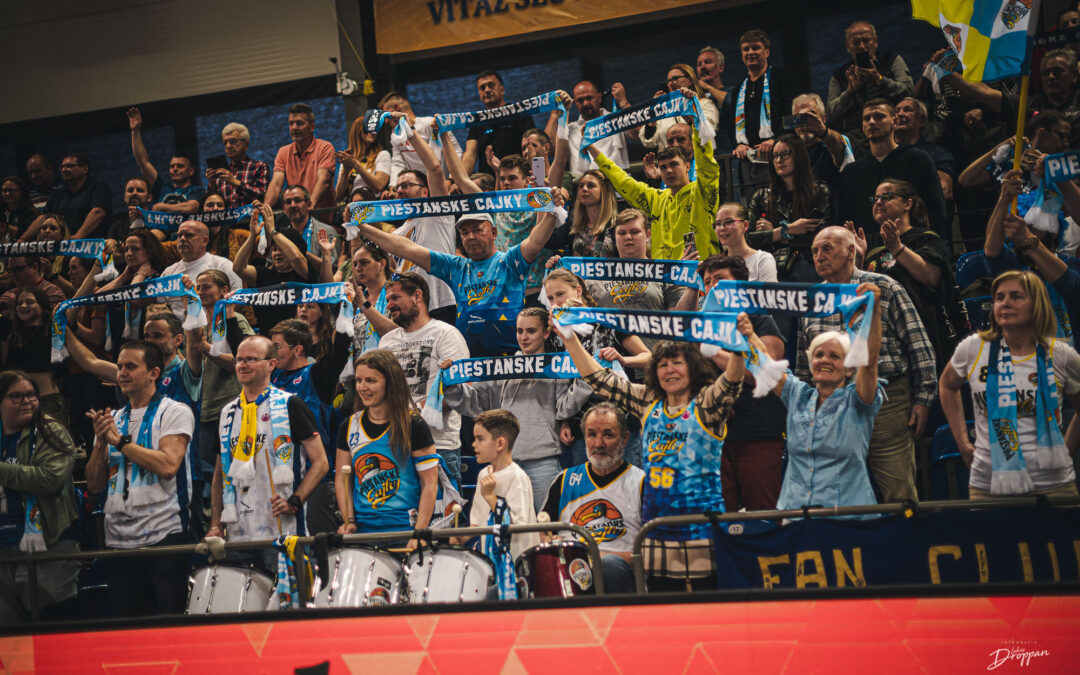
[(990, 37)]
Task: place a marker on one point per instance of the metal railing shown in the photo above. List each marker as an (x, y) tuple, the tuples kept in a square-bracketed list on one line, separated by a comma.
[(217, 549), (638, 562)]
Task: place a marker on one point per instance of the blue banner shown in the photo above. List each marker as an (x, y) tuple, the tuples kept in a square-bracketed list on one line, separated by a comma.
[(679, 272), (949, 547), (708, 328), (530, 106), (160, 220)]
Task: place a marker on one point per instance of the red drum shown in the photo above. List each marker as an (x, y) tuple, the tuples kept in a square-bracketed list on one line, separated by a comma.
[(558, 569)]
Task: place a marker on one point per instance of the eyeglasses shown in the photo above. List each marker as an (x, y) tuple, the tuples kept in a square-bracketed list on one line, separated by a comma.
[(673, 80), (729, 223), (405, 186), (251, 360), (884, 197), (18, 397), (295, 200), (782, 155)]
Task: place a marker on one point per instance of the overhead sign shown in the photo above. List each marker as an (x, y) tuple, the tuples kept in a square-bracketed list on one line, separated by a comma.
[(416, 25)]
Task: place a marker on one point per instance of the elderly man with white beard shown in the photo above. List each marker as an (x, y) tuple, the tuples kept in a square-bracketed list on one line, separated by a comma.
[(603, 495)]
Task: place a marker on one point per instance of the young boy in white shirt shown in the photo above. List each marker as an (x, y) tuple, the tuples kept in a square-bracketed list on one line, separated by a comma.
[(494, 434)]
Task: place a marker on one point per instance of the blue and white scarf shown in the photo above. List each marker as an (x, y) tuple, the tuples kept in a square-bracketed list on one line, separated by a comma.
[(33, 537), (542, 366), (289, 559), (375, 118), (143, 486), (88, 249), (936, 71), (161, 220), (502, 201), (238, 462), (280, 295), (371, 336), (706, 328), (530, 106), (794, 299), (765, 116), (678, 272), (1044, 212), (1010, 475), (496, 546), (672, 104), (163, 287)]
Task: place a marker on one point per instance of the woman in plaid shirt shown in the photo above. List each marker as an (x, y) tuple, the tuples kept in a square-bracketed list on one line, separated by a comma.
[(684, 407)]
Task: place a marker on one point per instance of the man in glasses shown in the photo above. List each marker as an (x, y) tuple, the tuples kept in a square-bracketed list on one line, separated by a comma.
[(296, 202), (888, 159), (262, 428), (245, 180)]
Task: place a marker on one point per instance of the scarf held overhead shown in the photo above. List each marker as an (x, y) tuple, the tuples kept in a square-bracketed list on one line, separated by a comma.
[(793, 299), (161, 220), (281, 295), (543, 366), (678, 272), (673, 104), (530, 106), (503, 201), (89, 249), (162, 287)]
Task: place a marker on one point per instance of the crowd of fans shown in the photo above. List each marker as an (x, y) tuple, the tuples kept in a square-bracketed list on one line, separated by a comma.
[(867, 187)]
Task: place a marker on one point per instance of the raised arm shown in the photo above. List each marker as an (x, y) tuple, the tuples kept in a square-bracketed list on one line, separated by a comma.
[(85, 359), (1048, 266), (242, 262), (142, 158), (538, 238), (402, 247), (982, 94), (975, 173), (995, 226), (457, 165), (435, 178), (866, 376)]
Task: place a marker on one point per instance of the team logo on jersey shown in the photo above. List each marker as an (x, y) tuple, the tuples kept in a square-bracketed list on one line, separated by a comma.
[(622, 292), (165, 381), (298, 379), (477, 292), (266, 417), (600, 517), (379, 478), (283, 449), (661, 444)]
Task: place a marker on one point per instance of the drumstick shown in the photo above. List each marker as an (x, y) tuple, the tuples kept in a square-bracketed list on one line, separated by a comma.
[(346, 472), (543, 518), (270, 475), (456, 509)]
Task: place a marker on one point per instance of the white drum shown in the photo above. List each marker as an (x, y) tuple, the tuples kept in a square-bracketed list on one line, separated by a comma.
[(361, 577), (223, 589), (449, 574)]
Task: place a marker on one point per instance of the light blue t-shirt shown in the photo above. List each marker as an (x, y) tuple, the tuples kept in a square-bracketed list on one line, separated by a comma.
[(827, 446), (489, 295)]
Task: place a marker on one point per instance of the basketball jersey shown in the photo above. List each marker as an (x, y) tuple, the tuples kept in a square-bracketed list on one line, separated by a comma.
[(385, 496), (611, 514), (682, 467)]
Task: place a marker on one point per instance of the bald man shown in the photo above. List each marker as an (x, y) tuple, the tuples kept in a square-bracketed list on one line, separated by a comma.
[(261, 510), (906, 363), (192, 238)]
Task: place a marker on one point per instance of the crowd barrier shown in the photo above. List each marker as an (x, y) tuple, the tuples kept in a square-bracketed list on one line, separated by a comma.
[(217, 552)]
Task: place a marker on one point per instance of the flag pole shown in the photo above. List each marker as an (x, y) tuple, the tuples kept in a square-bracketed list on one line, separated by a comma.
[(1018, 148)]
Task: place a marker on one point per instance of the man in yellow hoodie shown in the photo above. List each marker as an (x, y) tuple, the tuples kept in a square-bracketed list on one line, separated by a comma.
[(684, 206)]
